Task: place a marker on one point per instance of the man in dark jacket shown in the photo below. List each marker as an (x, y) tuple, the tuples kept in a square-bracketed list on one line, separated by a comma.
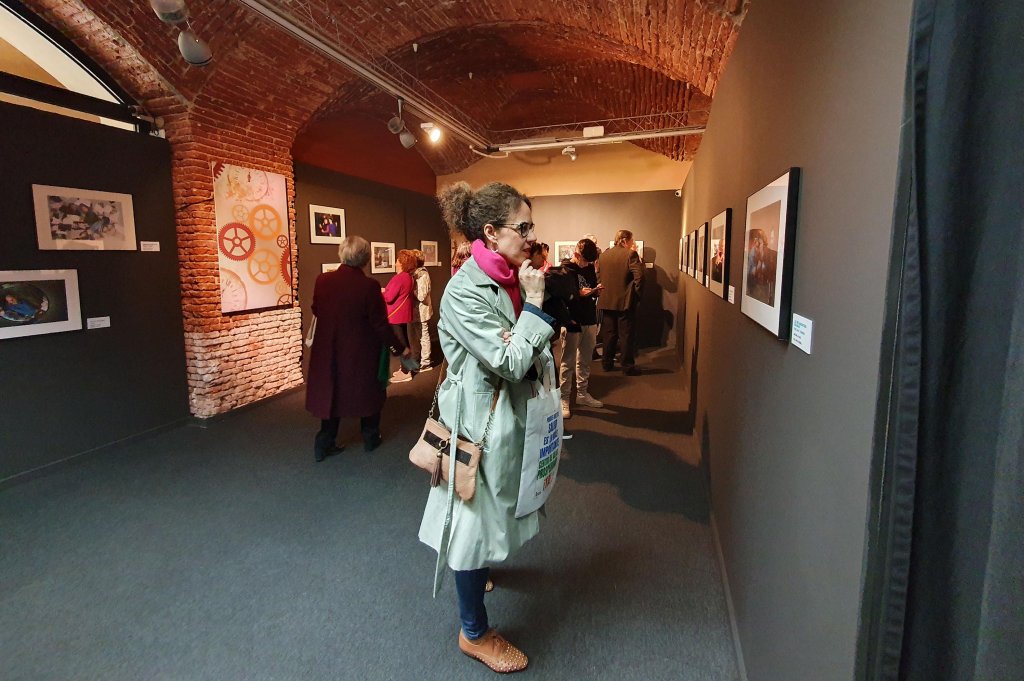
[(622, 275)]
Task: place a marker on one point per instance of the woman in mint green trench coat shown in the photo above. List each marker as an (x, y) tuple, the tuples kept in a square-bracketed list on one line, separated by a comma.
[(493, 334)]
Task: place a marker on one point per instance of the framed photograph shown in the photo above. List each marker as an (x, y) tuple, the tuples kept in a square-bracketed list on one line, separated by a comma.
[(429, 249), (35, 302), (718, 257), (326, 225), (253, 239), (329, 267), (682, 251), (768, 245), (701, 254), (564, 250), (83, 219), (382, 257)]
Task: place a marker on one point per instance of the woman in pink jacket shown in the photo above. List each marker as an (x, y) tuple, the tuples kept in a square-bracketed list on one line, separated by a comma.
[(398, 295)]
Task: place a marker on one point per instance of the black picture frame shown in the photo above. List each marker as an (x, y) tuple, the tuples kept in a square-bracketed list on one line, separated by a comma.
[(767, 271)]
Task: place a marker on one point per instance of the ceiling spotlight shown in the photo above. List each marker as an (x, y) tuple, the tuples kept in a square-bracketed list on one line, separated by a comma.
[(570, 152), (396, 125), (433, 132), (170, 11), (407, 139), (194, 50)]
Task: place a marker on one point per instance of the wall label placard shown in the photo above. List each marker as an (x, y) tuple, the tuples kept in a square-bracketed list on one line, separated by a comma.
[(149, 246), (801, 332), (97, 323)]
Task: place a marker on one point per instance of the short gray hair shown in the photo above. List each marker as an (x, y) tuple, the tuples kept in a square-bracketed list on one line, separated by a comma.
[(354, 251)]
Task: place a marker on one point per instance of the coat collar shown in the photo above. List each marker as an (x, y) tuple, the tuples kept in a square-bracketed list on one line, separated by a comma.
[(478, 277)]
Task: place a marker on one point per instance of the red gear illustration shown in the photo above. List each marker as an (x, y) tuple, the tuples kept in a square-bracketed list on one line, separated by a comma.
[(286, 266), (236, 241)]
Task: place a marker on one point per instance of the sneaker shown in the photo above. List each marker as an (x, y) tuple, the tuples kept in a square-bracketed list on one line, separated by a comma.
[(632, 371), (426, 368), (401, 377), (566, 413), (566, 435), (585, 400), (494, 651)]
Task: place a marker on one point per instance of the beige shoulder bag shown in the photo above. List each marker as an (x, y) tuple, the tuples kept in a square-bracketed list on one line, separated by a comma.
[(431, 451)]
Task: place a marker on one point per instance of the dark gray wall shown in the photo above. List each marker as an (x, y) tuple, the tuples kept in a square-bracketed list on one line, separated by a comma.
[(374, 211), (71, 392), (788, 436), (652, 217)]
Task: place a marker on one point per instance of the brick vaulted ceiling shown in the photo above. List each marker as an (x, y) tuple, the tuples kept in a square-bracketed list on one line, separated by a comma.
[(534, 62)]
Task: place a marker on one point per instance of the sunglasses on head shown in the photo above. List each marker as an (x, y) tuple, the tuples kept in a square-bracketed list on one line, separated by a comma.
[(524, 228)]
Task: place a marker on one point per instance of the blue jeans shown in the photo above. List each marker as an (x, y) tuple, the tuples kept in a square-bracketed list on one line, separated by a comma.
[(470, 586)]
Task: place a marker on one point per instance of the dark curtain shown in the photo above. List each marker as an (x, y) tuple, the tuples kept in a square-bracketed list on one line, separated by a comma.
[(945, 573)]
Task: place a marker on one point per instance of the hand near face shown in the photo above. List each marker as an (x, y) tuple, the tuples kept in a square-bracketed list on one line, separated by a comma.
[(532, 280)]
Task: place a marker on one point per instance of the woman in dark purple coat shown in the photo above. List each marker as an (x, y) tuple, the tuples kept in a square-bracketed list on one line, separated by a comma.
[(351, 328)]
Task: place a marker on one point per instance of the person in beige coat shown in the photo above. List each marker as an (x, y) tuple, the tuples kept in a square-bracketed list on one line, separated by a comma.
[(622, 274)]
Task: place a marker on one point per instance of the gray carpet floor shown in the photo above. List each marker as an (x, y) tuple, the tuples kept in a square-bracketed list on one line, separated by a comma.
[(224, 552)]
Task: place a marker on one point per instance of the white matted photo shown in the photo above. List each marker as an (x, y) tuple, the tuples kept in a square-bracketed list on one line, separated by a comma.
[(701, 254), (329, 267), (429, 249), (83, 219), (36, 302), (326, 224), (718, 252), (382, 257), (564, 250), (768, 245)]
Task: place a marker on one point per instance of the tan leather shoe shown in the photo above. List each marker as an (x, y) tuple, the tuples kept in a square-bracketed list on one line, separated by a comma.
[(494, 651)]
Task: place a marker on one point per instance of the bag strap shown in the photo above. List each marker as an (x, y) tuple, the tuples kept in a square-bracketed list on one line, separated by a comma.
[(398, 307), (494, 402)]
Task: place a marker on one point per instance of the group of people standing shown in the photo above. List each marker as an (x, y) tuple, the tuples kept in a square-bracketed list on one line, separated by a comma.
[(496, 333)]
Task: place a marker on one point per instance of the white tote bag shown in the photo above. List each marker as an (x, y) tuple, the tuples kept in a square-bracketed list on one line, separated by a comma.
[(543, 444)]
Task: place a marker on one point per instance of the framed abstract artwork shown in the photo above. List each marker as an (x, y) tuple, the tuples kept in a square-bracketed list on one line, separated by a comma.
[(326, 225), (769, 242), (253, 239), (36, 302), (718, 252), (329, 267), (382, 257), (83, 219)]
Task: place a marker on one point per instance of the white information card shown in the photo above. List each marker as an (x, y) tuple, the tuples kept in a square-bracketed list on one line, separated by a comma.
[(801, 335)]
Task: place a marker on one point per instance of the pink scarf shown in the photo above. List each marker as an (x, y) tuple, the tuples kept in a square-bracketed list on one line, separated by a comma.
[(497, 268)]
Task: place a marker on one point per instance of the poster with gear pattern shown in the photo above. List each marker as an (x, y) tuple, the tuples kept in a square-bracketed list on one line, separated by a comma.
[(253, 244)]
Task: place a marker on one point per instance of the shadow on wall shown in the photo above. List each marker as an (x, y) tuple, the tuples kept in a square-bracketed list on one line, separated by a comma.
[(652, 322)]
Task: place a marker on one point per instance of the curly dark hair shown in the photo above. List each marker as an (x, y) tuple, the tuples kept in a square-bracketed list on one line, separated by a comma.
[(467, 211)]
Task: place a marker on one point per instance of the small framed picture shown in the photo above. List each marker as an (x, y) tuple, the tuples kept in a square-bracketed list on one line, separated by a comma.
[(83, 219), (382, 257), (718, 252), (36, 302), (329, 267), (768, 245), (564, 250), (701, 254), (429, 249), (326, 225)]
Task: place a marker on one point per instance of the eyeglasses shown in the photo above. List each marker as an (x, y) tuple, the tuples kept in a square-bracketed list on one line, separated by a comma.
[(524, 228)]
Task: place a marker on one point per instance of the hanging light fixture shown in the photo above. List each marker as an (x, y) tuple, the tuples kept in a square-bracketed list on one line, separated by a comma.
[(397, 127), (170, 11), (433, 132), (193, 48)]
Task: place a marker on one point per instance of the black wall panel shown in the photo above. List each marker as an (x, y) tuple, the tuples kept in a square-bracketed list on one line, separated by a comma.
[(67, 393)]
